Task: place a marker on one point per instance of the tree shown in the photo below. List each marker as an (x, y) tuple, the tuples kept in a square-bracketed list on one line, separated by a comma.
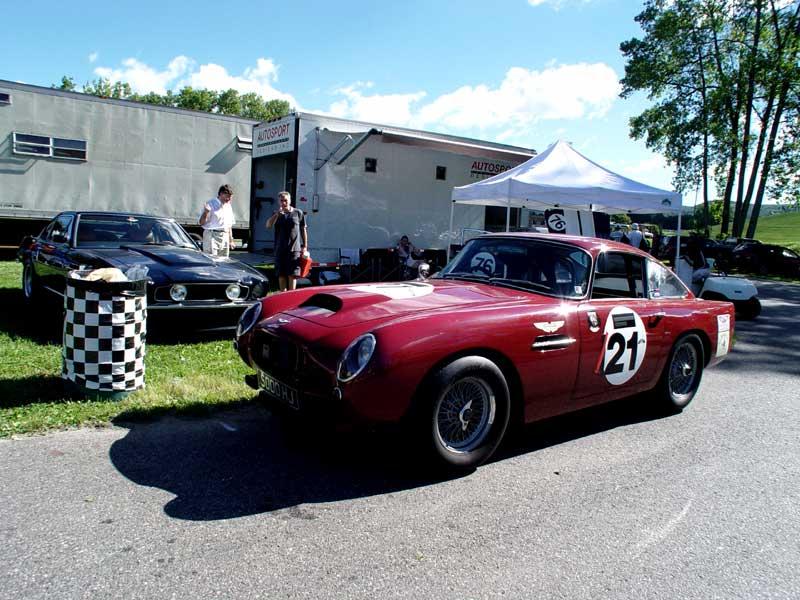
[(67, 83), (105, 89), (722, 75), (229, 102)]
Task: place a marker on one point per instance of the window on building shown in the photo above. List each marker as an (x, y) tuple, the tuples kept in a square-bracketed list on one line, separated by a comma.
[(44, 146), (5, 98), (441, 173), (371, 165)]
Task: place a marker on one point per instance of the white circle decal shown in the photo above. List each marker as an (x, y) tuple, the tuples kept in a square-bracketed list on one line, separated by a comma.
[(482, 262), (557, 223), (625, 344)]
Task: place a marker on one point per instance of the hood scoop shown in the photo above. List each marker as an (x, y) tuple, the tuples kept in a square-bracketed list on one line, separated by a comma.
[(325, 302)]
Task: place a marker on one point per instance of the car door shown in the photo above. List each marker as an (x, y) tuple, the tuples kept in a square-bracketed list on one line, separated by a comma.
[(621, 331), (53, 253)]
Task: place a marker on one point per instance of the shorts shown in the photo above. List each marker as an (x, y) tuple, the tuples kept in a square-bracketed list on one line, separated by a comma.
[(287, 264)]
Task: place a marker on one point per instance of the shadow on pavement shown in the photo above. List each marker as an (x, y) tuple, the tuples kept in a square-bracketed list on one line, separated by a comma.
[(770, 343), (251, 461)]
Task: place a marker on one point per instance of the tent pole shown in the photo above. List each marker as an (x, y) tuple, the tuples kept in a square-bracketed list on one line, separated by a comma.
[(508, 215), (450, 231), (678, 242)]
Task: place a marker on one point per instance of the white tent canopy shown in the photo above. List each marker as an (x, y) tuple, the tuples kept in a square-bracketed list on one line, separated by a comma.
[(562, 177)]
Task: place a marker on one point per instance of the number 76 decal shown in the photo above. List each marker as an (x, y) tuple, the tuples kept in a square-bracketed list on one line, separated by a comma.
[(624, 345)]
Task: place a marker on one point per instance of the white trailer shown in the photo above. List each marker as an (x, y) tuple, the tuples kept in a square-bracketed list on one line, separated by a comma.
[(64, 150), (364, 185)]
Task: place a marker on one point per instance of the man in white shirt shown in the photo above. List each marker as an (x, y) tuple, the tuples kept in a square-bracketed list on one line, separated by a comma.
[(635, 236), (217, 223)]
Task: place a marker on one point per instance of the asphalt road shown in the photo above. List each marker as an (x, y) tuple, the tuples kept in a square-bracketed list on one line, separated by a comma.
[(616, 502)]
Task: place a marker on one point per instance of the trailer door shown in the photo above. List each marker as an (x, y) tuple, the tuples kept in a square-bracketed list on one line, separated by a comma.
[(269, 180)]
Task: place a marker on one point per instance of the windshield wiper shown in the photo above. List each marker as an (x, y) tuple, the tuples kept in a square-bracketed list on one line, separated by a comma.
[(522, 284)]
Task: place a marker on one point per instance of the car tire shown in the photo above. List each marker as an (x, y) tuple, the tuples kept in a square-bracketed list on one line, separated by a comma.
[(748, 309), (463, 413), (682, 374), (30, 283)]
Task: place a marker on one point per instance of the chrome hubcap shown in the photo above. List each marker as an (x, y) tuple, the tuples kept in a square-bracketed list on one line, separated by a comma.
[(684, 369), (464, 414)]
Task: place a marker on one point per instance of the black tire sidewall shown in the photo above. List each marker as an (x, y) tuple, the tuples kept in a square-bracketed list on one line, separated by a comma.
[(27, 269), (680, 401), (470, 366)]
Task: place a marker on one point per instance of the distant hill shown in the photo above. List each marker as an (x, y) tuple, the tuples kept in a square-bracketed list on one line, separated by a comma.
[(780, 228)]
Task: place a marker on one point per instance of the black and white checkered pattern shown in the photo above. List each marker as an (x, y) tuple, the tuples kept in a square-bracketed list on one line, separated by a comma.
[(104, 339)]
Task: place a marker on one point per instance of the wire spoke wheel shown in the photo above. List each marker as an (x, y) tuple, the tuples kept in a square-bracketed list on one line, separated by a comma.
[(465, 412), (684, 369)]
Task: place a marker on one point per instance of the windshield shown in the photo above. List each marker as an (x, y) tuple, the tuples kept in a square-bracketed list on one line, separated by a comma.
[(529, 264), (114, 231)]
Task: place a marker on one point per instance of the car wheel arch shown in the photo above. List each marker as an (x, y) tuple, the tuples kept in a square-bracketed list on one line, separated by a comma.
[(704, 340), (506, 366)]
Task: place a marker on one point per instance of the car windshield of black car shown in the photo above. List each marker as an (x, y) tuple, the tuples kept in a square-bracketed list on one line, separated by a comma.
[(554, 269), (110, 231)]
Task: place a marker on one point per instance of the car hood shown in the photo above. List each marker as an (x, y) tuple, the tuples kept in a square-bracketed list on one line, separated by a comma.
[(345, 305), (172, 263)]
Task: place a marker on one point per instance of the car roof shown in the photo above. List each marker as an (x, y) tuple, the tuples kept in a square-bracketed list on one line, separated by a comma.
[(591, 244), (108, 213)]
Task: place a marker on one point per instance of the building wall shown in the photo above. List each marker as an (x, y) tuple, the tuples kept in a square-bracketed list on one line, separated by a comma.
[(141, 158), (403, 197)]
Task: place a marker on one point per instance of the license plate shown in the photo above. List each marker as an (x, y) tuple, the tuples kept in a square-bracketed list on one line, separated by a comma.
[(286, 394)]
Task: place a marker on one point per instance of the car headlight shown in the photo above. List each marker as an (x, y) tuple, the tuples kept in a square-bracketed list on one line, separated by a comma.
[(233, 291), (356, 357), (248, 319), (178, 292)]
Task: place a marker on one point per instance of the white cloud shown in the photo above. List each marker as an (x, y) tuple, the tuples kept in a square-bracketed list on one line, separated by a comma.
[(144, 78), (394, 109), (182, 71), (93, 57), (523, 98)]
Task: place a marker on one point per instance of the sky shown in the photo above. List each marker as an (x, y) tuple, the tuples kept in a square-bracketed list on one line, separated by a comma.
[(521, 72)]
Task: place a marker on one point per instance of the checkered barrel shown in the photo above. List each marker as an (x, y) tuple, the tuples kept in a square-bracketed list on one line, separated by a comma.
[(105, 327)]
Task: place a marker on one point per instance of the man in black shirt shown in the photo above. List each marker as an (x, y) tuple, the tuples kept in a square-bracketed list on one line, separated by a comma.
[(291, 241)]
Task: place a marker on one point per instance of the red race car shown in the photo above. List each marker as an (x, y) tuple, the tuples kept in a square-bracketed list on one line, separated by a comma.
[(517, 327)]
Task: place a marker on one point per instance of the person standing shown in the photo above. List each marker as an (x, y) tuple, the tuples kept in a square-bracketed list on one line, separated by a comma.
[(291, 241), (217, 223), (635, 236)]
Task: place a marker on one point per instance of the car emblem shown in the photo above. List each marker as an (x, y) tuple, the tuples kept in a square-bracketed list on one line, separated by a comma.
[(549, 326)]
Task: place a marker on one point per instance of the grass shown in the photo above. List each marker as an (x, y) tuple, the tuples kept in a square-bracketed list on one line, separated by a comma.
[(782, 229), (181, 378)]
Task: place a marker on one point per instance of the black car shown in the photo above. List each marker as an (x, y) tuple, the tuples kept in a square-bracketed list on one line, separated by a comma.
[(767, 259), (719, 251), (179, 275)]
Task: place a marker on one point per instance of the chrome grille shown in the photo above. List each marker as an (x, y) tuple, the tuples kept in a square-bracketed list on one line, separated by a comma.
[(200, 291), (280, 357)]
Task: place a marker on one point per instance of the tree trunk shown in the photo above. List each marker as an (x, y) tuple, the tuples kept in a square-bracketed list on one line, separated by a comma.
[(740, 216)]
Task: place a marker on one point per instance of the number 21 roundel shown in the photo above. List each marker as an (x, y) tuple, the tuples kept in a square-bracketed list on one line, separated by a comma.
[(625, 345)]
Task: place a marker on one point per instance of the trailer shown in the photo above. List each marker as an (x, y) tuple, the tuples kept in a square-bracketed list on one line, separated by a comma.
[(63, 150), (364, 185)]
